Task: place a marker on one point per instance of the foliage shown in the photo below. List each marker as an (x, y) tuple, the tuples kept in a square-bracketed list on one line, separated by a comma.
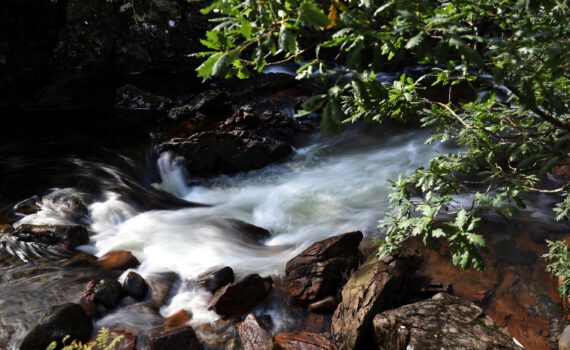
[(511, 128), (102, 342), (558, 257)]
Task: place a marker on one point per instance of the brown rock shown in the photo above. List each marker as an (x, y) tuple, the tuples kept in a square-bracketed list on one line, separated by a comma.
[(212, 281), (327, 304), (6, 228), (253, 336), (177, 319), (318, 271), (303, 341), (118, 260), (238, 298), (442, 322), (179, 338), (371, 289), (160, 285)]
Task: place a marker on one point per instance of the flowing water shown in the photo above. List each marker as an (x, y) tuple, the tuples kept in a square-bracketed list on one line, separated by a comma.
[(174, 222)]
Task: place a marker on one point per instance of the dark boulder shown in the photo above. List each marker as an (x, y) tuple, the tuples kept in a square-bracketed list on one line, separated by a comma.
[(373, 288), (304, 341), (238, 298), (442, 322), (64, 236), (133, 98), (216, 152), (27, 206), (108, 292), (60, 321), (212, 281), (179, 338), (207, 107), (135, 286), (253, 336), (318, 271)]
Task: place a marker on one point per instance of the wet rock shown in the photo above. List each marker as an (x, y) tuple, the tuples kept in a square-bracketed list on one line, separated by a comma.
[(442, 322), (135, 286), (564, 340), (6, 229), (87, 300), (64, 236), (209, 106), (327, 304), (160, 285), (215, 152), (177, 319), (371, 289), (118, 260), (304, 341), (81, 259), (253, 336), (67, 202), (60, 321), (28, 206), (108, 292), (319, 270), (247, 231), (215, 280), (180, 338), (133, 98), (238, 298)]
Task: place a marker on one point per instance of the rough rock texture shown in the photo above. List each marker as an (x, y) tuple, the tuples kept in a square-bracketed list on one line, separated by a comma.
[(327, 304), (135, 286), (60, 321), (179, 338), (304, 341), (253, 336), (238, 298), (177, 319), (212, 281), (370, 290), (64, 236), (442, 322), (133, 98), (318, 271)]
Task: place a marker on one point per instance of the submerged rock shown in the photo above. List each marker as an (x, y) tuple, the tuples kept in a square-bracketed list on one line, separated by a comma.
[(60, 321), (371, 289), (442, 322), (304, 341), (64, 236), (179, 338), (238, 298), (319, 271), (135, 286), (253, 336), (212, 281)]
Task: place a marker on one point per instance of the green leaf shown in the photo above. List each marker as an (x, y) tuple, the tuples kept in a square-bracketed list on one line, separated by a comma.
[(415, 41), (287, 40), (312, 16), (205, 69)]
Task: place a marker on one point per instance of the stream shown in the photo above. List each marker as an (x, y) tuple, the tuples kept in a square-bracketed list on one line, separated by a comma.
[(173, 222)]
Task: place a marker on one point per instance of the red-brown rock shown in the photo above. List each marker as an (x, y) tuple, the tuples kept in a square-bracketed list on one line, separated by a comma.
[(118, 260), (304, 341), (318, 271), (253, 336), (179, 338)]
